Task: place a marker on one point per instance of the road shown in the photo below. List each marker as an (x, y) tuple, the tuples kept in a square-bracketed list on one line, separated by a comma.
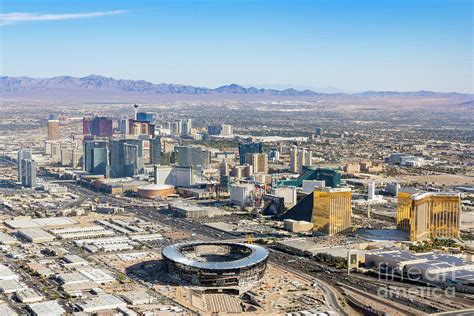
[(206, 233), (330, 294), (329, 280)]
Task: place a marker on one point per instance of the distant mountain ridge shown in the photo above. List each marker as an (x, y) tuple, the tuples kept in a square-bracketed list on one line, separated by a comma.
[(17, 86)]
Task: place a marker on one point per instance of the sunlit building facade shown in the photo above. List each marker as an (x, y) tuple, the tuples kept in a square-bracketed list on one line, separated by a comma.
[(53, 129), (332, 210), (428, 215)]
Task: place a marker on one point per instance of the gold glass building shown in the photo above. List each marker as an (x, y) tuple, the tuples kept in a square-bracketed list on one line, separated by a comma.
[(429, 215), (332, 210)]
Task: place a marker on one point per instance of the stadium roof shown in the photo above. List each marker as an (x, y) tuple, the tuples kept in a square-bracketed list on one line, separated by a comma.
[(257, 255)]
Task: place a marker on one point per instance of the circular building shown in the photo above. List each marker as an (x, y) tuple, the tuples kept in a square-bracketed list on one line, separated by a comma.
[(215, 264), (153, 191)]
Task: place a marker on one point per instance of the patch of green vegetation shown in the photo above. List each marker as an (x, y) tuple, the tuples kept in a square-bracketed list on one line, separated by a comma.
[(331, 261), (467, 236), (432, 244)]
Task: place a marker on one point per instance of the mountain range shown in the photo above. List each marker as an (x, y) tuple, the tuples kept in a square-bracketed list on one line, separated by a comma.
[(12, 87)]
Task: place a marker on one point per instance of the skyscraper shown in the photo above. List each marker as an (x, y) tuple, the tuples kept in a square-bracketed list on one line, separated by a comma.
[(23, 153), (155, 151), (186, 126), (429, 214), (95, 157), (227, 130), (332, 210), (98, 126), (259, 162), (224, 175), (126, 158), (28, 173), (77, 157), (214, 129), (193, 156), (274, 154), (294, 159), (249, 148), (86, 125), (299, 158), (145, 117), (371, 191), (329, 210), (53, 129), (138, 128), (175, 128), (222, 129), (123, 126)]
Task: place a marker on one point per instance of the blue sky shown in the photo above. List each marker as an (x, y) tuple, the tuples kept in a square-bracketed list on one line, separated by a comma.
[(347, 44)]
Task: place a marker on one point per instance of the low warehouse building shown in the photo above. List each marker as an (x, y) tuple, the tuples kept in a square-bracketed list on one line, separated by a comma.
[(7, 274), (35, 235), (188, 210), (6, 239), (102, 302), (297, 226), (10, 286), (48, 308), (28, 296)]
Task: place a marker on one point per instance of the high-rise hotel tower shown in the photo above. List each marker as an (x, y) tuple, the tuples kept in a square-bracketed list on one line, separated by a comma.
[(429, 214)]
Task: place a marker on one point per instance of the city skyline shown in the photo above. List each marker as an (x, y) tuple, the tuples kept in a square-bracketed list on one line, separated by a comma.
[(237, 157), (335, 46)]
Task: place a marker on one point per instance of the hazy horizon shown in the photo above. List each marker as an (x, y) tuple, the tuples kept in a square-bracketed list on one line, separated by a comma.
[(280, 87)]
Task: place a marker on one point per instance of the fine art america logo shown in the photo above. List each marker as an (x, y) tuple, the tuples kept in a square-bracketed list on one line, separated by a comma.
[(416, 276)]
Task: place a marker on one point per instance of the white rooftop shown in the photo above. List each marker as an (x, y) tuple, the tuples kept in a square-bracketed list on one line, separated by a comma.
[(7, 274), (40, 222), (75, 259), (28, 294), (48, 308), (7, 239), (96, 275), (6, 310), (35, 232), (10, 286), (102, 302), (72, 277)]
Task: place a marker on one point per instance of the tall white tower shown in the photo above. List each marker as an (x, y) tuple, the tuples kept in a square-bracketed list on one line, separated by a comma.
[(135, 108), (371, 191)]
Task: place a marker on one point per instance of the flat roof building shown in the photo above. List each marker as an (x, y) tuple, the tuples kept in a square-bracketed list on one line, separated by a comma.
[(431, 268), (39, 222), (74, 261), (72, 278), (82, 232), (5, 310), (10, 286), (35, 235), (137, 298), (6, 239), (29, 296), (102, 302), (97, 275), (7, 274), (48, 308), (188, 210)]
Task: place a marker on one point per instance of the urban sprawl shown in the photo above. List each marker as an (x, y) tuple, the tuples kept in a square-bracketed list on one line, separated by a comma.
[(235, 207)]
